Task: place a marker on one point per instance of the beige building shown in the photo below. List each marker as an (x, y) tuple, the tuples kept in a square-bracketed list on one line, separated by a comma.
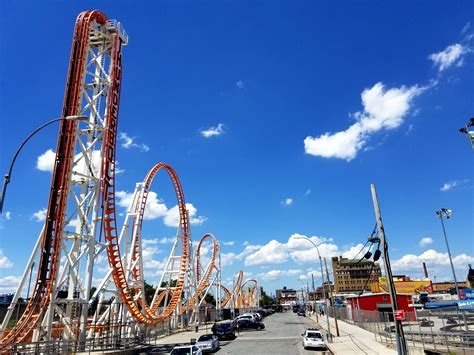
[(351, 275)]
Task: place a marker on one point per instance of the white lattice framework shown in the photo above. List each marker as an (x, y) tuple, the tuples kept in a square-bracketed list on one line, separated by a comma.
[(80, 237)]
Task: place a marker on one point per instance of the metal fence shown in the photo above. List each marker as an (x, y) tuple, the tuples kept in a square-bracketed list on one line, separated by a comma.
[(441, 329), (114, 336)]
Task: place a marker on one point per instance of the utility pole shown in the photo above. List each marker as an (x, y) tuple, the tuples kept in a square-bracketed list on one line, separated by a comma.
[(401, 343), (315, 308), (331, 298)]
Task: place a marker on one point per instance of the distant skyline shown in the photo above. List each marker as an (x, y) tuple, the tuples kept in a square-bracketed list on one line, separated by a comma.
[(276, 116)]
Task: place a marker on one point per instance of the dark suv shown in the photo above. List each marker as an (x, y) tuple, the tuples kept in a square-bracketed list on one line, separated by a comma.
[(244, 323), (224, 330)]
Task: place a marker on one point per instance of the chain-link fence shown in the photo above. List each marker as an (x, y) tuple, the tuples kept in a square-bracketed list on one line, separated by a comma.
[(440, 329)]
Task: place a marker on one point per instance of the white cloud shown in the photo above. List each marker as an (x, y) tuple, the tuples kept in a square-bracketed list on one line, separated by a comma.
[(5, 263), (167, 240), (40, 216), (240, 84), (171, 219), (425, 241), (229, 243), (383, 109), (128, 142), (213, 131), (432, 258), (277, 274), (273, 252), (9, 284), (8, 215), (450, 55), (299, 250), (228, 259), (45, 162), (447, 186), (156, 208), (287, 202), (308, 192)]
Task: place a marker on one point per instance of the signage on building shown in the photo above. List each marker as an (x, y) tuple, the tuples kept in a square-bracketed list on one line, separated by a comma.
[(410, 287), (466, 293), (466, 304), (399, 315)]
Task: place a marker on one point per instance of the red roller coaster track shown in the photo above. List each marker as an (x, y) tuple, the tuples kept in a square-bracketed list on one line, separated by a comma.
[(51, 238)]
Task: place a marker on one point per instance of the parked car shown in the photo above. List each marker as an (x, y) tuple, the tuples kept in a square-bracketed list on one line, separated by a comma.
[(249, 324), (248, 316), (208, 343), (312, 338), (224, 330), (186, 350), (424, 322)]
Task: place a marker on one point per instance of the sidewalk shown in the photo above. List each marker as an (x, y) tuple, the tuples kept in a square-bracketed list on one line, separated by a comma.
[(352, 339)]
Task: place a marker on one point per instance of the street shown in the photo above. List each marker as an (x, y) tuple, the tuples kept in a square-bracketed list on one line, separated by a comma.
[(282, 335)]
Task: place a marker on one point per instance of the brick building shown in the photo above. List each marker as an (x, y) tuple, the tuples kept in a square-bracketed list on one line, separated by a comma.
[(350, 275)]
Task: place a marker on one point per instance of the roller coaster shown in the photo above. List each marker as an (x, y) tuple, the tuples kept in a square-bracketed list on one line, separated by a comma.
[(81, 225)]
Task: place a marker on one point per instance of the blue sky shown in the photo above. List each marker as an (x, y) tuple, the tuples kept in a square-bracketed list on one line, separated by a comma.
[(304, 107)]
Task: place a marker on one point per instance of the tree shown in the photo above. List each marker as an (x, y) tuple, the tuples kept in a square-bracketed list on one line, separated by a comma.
[(265, 300), (149, 292), (210, 299)]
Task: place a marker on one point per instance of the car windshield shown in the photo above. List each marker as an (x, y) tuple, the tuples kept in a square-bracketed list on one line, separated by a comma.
[(181, 351), (205, 337), (314, 335), (223, 326)]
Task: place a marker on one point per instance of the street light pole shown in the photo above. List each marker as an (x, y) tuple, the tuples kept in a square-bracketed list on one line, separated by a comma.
[(322, 277), (7, 176), (447, 213)]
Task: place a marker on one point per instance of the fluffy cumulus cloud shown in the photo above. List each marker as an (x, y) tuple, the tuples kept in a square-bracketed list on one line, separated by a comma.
[(384, 109), (40, 216), (287, 202), (450, 185), (425, 241), (8, 215), (156, 208), (229, 243), (128, 142), (213, 131), (451, 55), (9, 284), (273, 252), (5, 263), (171, 218), (298, 250), (276, 274), (433, 259), (45, 162)]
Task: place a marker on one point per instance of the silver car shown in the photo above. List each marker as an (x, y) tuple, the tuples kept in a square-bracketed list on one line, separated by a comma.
[(208, 343)]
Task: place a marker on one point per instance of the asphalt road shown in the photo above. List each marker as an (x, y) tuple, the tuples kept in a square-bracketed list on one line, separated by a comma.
[(282, 335)]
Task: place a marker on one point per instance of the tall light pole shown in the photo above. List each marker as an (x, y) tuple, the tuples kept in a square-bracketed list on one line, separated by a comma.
[(322, 277), (447, 213), (7, 176)]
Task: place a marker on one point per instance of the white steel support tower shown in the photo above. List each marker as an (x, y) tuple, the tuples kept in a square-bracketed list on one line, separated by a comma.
[(79, 231)]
